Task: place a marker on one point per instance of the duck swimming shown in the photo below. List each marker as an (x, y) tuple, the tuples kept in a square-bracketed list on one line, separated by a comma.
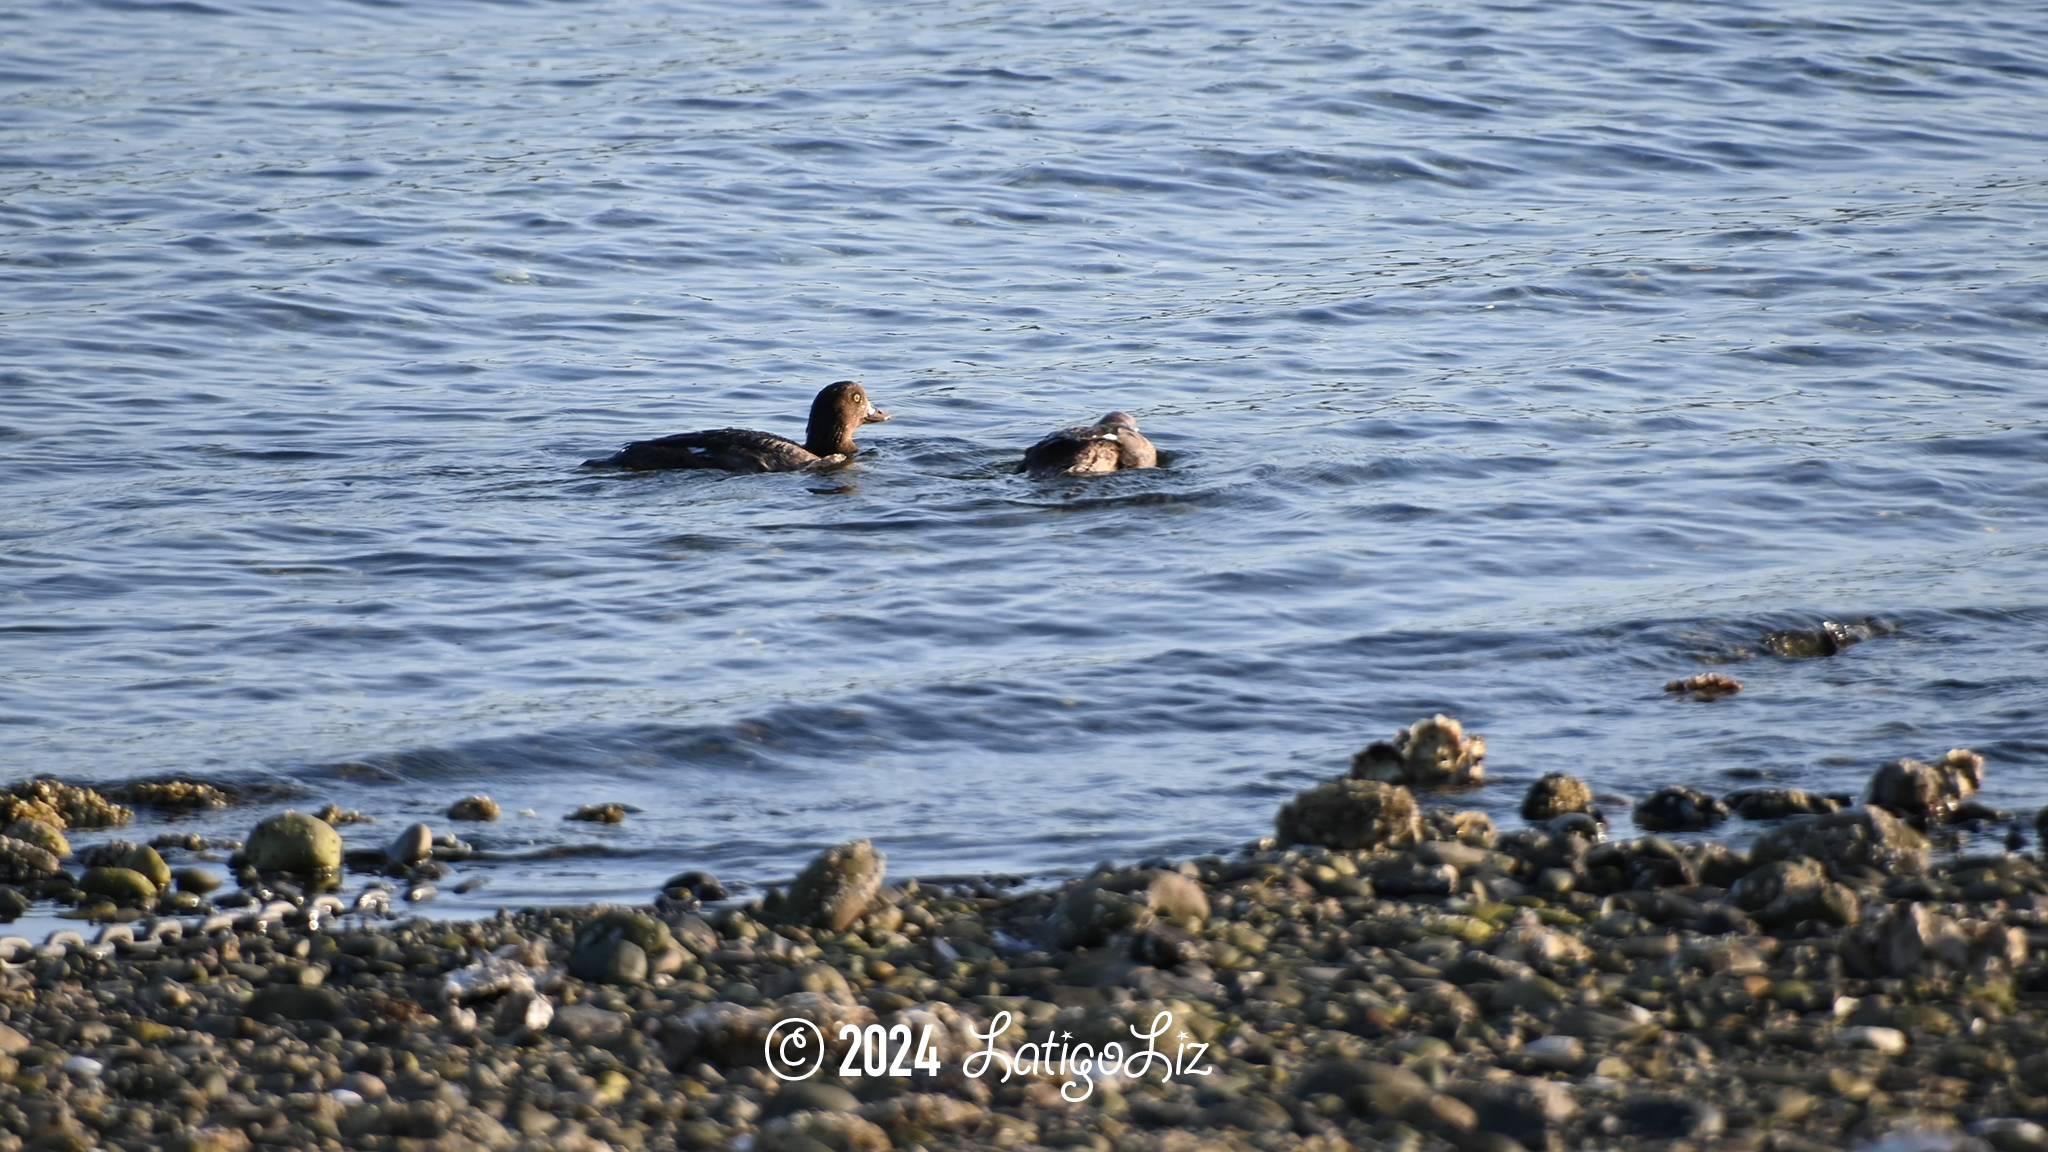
[(837, 411), (1109, 444)]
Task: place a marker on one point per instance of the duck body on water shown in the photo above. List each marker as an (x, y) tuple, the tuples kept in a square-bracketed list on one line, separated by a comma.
[(1111, 444), (828, 438)]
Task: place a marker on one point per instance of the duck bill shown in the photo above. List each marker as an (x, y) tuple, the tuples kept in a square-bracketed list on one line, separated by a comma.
[(875, 415)]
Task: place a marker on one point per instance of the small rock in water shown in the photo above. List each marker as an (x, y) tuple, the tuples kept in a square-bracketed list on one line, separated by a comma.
[(1706, 687), (413, 845), (1428, 754), (1778, 803), (334, 814), (1805, 643), (13, 905), (695, 885), (124, 886), (599, 813), (1350, 814), (481, 808), (1554, 795), (1675, 808), (837, 886)]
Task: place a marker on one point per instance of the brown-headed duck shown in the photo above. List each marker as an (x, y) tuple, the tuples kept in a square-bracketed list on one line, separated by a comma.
[(837, 411), (1109, 444)]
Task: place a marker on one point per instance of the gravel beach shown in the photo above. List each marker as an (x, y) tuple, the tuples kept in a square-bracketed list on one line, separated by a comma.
[(1417, 980)]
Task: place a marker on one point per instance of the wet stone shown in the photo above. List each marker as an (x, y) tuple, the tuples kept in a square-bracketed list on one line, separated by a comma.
[(479, 808), (1706, 687), (1778, 803), (1430, 753), (599, 814), (1676, 808), (1554, 795)]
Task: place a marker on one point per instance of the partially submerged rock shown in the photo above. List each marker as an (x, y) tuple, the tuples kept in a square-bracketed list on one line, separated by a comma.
[(1805, 643), (479, 807), (172, 795), (1554, 795), (1705, 687), (1350, 814), (1778, 803), (61, 804), (1431, 753), (837, 886), (599, 813), (1927, 793), (1676, 808)]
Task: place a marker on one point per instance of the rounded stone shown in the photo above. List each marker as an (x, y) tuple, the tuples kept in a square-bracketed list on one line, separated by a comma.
[(1554, 795), (1350, 814), (481, 808), (294, 842), (124, 886), (197, 881)]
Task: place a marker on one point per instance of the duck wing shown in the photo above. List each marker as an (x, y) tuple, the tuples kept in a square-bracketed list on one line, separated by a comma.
[(726, 449), (1085, 451)]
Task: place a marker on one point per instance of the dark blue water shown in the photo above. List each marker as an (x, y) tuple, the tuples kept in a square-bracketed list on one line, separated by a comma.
[(1513, 359)]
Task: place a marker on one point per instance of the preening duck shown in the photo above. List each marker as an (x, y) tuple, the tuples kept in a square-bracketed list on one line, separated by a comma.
[(837, 411), (1109, 444)]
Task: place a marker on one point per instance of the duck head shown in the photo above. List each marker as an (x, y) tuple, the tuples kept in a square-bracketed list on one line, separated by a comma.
[(837, 411), (1118, 420)]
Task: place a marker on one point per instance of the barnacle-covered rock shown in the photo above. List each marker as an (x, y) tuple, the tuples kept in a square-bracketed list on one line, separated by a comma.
[(836, 887), (24, 863), (1430, 753), (1705, 687), (481, 808), (1350, 814), (1554, 795), (65, 805), (174, 795)]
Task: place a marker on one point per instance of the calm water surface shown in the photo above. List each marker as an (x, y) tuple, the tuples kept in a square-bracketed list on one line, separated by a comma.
[(1513, 360)]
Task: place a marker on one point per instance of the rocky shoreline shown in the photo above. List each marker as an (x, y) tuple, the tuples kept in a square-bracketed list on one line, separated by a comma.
[(1380, 974)]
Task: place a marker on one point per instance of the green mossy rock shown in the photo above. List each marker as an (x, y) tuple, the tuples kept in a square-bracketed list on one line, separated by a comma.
[(124, 886), (294, 842)]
